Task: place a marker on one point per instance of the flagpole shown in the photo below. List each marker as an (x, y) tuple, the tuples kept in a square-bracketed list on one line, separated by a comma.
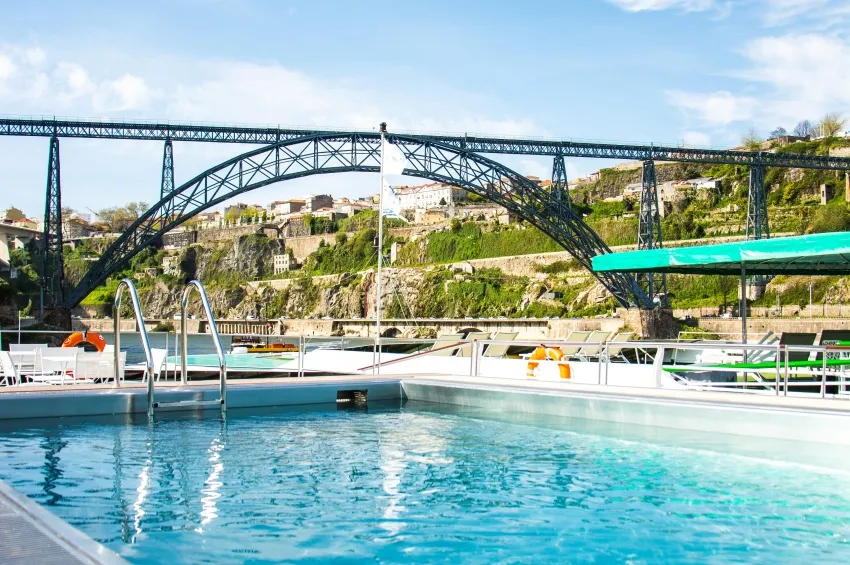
[(380, 252)]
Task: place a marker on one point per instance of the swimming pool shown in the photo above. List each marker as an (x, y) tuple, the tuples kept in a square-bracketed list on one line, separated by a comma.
[(422, 483)]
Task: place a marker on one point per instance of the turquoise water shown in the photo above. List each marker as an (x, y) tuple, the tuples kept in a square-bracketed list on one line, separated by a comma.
[(237, 361), (423, 485)]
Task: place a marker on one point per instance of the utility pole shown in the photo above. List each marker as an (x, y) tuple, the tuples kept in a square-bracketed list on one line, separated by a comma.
[(810, 301)]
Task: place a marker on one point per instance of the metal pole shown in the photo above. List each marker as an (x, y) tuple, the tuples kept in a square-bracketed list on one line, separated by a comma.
[(380, 253), (744, 309), (778, 359), (116, 348), (810, 301), (166, 355), (300, 355), (184, 339), (785, 388)]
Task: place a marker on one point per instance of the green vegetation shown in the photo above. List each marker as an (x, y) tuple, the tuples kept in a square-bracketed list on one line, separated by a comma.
[(347, 255), (467, 240)]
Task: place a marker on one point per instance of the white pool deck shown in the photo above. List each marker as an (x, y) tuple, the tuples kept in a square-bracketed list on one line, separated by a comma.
[(31, 534)]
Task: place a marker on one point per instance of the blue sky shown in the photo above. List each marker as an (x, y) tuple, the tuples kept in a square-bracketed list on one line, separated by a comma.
[(699, 72)]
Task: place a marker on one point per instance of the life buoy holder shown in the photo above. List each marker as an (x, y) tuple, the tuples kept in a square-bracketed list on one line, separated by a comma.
[(92, 338), (551, 354)]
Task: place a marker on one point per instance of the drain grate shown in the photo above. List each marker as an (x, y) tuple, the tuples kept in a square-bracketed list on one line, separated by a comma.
[(351, 398)]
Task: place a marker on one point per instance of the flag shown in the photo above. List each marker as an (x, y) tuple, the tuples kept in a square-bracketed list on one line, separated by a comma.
[(391, 204), (393, 159)]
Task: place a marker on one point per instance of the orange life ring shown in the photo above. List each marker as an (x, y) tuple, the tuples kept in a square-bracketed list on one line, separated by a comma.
[(92, 338), (552, 354)]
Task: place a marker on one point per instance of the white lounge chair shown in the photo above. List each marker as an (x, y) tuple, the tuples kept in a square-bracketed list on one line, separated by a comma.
[(10, 376), (97, 366), (594, 345), (574, 341), (616, 346), (499, 349), (26, 356), (159, 356), (441, 346), (466, 350)]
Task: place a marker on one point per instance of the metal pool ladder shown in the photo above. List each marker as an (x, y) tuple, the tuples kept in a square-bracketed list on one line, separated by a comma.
[(222, 362), (143, 333)]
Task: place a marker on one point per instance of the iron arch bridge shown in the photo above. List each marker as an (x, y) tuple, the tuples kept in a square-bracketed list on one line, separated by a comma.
[(322, 153)]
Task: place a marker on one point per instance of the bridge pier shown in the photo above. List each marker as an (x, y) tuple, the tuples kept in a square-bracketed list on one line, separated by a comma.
[(757, 220), (649, 230), (560, 186), (52, 266)]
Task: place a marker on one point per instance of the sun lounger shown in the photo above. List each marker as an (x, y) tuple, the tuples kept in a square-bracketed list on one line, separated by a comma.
[(594, 345), (500, 349), (466, 350), (575, 339), (616, 346), (440, 347)]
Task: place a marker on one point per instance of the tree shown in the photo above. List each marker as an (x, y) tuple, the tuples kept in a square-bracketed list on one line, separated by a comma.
[(751, 140), (831, 124), (119, 218), (778, 132), (442, 201), (830, 218), (725, 286), (803, 128)]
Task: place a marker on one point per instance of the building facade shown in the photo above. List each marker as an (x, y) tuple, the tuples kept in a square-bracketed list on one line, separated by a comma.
[(429, 195)]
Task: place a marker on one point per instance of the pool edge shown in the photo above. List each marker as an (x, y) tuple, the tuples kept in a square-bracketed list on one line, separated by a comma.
[(54, 530)]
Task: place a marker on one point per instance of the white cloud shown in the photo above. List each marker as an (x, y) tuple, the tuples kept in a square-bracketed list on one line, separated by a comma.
[(807, 74), (132, 92), (822, 13), (715, 108), (696, 139), (7, 67), (206, 90), (655, 5)]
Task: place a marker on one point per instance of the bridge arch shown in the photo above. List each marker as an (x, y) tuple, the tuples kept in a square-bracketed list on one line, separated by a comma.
[(321, 153)]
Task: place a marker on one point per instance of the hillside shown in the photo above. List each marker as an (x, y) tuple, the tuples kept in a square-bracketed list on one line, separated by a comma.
[(428, 282)]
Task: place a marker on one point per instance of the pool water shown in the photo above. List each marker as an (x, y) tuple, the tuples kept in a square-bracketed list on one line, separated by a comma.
[(421, 484)]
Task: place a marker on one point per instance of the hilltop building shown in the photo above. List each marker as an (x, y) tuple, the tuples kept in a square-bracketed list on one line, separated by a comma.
[(425, 196)]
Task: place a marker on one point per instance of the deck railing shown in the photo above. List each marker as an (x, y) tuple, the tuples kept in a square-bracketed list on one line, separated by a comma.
[(818, 374)]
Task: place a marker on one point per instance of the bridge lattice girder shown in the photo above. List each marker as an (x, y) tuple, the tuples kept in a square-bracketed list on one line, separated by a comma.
[(337, 153), (266, 135)]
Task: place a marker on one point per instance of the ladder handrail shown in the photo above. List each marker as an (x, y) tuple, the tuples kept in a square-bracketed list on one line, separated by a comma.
[(143, 332), (222, 361)]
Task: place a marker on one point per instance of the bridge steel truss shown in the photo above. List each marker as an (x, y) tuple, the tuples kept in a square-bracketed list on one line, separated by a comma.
[(41, 127), (321, 153), (757, 219)]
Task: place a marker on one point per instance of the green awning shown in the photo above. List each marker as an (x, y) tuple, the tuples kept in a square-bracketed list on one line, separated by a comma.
[(819, 254)]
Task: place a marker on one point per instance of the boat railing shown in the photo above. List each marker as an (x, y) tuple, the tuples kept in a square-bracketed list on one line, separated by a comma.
[(130, 287), (775, 368)]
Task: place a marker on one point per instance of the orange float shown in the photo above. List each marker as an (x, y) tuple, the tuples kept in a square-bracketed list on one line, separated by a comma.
[(92, 338), (548, 353)]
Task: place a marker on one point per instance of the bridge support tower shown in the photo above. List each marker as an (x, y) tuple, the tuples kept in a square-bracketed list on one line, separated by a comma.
[(757, 222), (560, 187), (649, 231), (52, 264), (758, 226), (166, 187)]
